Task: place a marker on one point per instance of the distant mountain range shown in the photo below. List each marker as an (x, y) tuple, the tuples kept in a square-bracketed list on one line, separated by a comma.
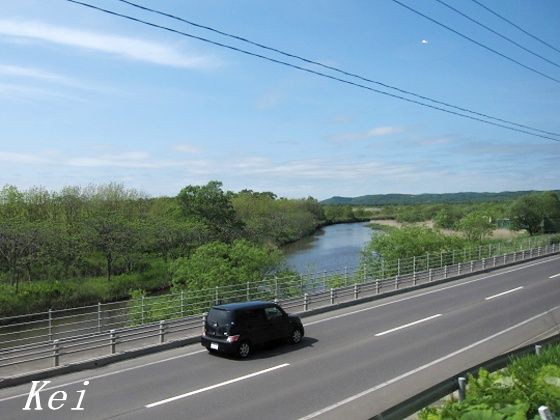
[(463, 197)]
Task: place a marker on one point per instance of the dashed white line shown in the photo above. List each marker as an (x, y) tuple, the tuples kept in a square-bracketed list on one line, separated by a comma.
[(407, 325), (504, 293), (554, 276), (208, 388)]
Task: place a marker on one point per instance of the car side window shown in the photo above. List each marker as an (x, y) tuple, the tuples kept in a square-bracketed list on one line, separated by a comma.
[(252, 315), (272, 313)]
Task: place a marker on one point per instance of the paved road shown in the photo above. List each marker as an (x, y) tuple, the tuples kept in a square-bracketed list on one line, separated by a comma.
[(354, 362)]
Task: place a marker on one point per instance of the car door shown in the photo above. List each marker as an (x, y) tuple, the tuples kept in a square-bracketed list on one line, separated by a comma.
[(278, 326), (255, 325)]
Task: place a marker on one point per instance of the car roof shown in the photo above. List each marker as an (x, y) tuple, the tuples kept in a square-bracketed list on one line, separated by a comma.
[(255, 304)]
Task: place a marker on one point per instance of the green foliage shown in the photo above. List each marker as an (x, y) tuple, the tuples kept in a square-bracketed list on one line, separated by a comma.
[(270, 220), (221, 264), (475, 226), (515, 392), (537, 213)]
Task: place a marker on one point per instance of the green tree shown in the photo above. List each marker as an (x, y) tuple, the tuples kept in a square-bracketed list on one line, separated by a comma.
[(475, 226), (212, 206), (221, 264), (527, 213)]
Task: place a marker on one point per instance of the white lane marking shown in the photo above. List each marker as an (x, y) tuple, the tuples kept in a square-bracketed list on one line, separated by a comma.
[(428, 292), (554, 276), (208, 388), (407, 325), (103, 375), (423, 367), (504, 293)]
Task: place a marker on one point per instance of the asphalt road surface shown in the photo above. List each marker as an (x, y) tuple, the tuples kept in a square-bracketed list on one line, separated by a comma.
[(353, 363)]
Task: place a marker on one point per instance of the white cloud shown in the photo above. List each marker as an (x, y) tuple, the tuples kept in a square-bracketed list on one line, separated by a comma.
[(364, 135), (20, 158), (186, 148), (124, 47)]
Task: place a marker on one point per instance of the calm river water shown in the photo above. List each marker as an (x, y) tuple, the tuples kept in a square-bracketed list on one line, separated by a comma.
[(330, 248)]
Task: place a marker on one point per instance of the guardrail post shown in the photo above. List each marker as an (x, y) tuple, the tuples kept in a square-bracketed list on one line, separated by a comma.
[(113, 341), (494, 261), (98, 317), (531, 253), (505, 259), (248, 293), (56, 353), (544, 413), (430, 275), (50, 325), (356, 291), (396, 282), (414, 278), (398, 267), (414, 264), (472, 266), (305, 302), (459, 269), (514, 256), (204, 322), (182, 304), (445, 272), (332, 296), (142, 309), (377, 286), (217, 296), (484, 263), (538, 349), (462, 387), (162, 331)]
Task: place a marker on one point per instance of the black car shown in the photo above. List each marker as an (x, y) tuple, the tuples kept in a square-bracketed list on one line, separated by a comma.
[(235, 328)]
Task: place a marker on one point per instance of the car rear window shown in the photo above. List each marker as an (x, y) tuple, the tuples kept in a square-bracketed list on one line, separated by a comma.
[(219, 316)]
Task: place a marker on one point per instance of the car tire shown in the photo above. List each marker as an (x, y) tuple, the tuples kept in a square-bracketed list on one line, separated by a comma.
[(296, 336), (243, 350)]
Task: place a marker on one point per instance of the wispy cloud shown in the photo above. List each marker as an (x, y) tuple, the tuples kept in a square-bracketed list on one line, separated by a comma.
[(186, 148), (21, 158), (25, 93), (121, 46), (364, 135)]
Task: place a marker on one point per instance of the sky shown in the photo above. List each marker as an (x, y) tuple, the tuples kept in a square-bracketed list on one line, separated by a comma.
[(89, 98)]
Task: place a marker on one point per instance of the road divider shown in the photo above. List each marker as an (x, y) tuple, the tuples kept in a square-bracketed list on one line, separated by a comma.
[(554, 276)]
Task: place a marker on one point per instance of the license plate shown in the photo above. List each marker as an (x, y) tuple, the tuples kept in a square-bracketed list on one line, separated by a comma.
[(214, 346)]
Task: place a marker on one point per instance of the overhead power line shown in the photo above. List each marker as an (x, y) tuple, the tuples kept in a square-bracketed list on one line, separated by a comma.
[(336, 69), (480, 44), (294, 66), (516, 26), (497, 33)]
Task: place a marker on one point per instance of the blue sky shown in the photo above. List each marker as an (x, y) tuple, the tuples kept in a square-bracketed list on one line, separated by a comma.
[(87, 98)]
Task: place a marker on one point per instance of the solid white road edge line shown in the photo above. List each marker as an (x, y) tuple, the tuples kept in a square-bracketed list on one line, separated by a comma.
[(407, 325), (423, 367), (429, 292), (554, 276), (504, 293), (103, 375), (208, 388)]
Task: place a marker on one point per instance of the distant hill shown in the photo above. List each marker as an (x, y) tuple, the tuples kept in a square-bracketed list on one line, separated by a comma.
[(463, 197)]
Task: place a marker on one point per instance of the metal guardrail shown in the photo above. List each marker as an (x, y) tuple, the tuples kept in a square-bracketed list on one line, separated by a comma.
[(457, 382), (110, 330)]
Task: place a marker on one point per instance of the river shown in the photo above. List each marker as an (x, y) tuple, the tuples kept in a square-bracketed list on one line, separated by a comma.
[(330, 248)]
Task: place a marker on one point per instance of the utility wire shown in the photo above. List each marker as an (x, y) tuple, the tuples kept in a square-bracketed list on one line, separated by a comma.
[(516, 26), (338, 70), (497, 33), (317, 73), (468, 38)]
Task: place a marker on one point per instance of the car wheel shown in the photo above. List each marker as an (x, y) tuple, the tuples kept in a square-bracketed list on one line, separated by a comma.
[(296, 336), (243, 350)]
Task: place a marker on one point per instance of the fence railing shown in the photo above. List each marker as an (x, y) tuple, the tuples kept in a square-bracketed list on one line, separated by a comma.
[(149, 320)]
